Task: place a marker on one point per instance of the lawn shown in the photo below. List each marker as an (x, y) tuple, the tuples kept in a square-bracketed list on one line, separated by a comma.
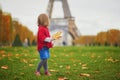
[(65, 63)]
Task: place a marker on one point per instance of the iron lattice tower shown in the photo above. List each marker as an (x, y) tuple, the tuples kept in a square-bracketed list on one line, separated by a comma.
[(68, 22)]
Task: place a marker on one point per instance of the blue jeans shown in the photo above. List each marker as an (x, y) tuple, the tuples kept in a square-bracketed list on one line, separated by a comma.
[(44, 53)]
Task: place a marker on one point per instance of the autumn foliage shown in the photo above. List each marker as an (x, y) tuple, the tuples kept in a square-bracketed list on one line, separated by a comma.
[(10, 27), (109, 38)]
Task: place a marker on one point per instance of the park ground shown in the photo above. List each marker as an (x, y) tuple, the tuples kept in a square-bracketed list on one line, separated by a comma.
[(65, 63)]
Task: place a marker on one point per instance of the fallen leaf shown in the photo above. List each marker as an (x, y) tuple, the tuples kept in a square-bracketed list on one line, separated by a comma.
[(35, 59), (54, 56), (4, 67), (67, 72), (84, 74), (80, 63), (60, 66), (97, 71), (67, 67), (63, 78), (84, 67), (74, 65), (60, 78), (118, 74), (110, 59), (92, 56), (17, 56), (24, 60), (31, 64), (2, 51), (9, 55), (22, 73), (4, 55), (51, 70)]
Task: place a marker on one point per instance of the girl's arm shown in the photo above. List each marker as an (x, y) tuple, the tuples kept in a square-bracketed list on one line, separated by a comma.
[(48, 39)]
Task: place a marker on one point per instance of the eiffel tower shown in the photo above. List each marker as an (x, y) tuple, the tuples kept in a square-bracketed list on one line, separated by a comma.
[(66, 24)]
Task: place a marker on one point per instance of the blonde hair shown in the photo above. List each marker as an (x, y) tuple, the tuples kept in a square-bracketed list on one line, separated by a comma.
[(43, 20)]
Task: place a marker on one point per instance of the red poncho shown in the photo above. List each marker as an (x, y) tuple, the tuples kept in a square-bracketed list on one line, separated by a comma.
[(43, 33)]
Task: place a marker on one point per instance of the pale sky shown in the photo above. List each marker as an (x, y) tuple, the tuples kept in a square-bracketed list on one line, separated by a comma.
[(91, 16)]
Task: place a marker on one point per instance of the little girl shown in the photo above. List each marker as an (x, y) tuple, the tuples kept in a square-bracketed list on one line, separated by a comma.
[(44, 42)]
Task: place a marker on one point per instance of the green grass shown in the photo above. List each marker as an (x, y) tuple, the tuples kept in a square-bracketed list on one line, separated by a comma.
[(101, 63)]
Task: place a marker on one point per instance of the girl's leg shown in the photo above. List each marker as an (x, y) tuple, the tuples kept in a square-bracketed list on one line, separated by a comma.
[(45, 66), (41, 63)]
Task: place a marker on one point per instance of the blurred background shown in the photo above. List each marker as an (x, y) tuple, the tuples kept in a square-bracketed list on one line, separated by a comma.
[(90, 22)]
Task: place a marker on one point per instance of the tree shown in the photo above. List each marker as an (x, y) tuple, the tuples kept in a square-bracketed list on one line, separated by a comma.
[(113, 37), (34, 43), (1, 26), (101, 38), (85, 40), (10, 29), (17, 41)]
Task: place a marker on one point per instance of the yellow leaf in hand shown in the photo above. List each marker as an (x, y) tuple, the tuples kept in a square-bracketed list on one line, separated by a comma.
[(57, 35)]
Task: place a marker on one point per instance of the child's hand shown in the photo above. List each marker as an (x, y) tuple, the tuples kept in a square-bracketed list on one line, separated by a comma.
[(57, 35)]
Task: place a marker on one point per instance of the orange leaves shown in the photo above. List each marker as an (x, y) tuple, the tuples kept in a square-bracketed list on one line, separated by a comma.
[(6, 30), (3, 54), (2, 51), (9, 28), (110, 59), (84, 66), (4, 67), (113, 36)]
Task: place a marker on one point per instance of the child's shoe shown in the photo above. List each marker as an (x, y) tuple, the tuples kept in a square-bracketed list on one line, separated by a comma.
[(47, 73), (37, 73)]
